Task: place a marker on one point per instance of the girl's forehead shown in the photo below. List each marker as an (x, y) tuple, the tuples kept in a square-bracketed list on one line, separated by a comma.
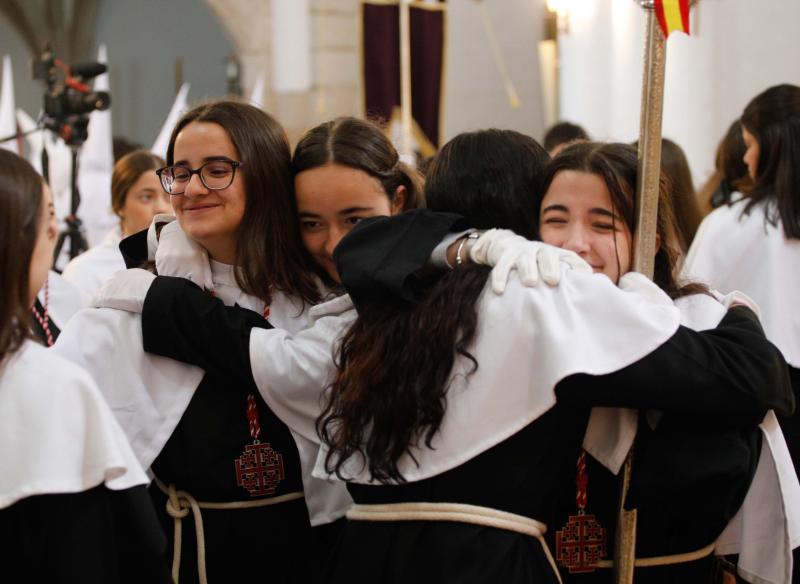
[(203, 140), (579, 187)]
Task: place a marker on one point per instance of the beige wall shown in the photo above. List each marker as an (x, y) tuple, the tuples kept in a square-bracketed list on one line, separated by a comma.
[(474, 98), (738, 49)]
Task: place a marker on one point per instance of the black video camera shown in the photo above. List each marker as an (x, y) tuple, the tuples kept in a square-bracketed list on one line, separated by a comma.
[(68, 99)]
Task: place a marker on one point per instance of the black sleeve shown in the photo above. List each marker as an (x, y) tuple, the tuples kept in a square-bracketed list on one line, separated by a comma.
[(97, 536), (134, 249), (181, 321), (731, 370), (379, 259)]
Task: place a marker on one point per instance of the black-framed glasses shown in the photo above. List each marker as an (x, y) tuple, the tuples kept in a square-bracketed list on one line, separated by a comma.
[(214, 174)]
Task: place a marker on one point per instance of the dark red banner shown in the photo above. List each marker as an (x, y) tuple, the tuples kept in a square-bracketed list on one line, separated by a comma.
[(381, 62)]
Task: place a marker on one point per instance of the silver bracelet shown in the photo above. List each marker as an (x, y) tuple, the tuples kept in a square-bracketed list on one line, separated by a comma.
[(474, 235)]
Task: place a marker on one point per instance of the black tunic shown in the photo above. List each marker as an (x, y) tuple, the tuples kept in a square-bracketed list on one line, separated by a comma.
[(523, 474), (533, 471), (692, 472), (735, 351), (98, 536), (741, 375), (270, 543)]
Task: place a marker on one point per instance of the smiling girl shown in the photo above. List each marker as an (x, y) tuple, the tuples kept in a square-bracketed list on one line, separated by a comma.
[(229, 486), (588, 207), (458, 414), (346, 170)]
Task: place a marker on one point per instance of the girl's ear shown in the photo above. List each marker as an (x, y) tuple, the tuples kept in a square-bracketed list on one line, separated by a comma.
[(398, 204), (658, 242)]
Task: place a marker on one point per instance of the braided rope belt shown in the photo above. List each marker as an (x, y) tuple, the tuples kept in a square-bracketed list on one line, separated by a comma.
[(180, 503), (665, 560), (457, 512)]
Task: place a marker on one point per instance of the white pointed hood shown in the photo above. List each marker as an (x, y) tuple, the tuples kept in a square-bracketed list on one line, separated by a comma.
[(159, 147), (8, 124), (95, 168), (97, 153), (257, 95)]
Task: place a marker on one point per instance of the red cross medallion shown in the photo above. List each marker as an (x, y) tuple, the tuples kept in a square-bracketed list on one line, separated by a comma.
[(259, 469), (581, 543)]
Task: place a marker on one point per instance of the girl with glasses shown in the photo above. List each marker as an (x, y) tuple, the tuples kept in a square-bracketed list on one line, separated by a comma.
[(228, 482), (73, 499), (344, 171)]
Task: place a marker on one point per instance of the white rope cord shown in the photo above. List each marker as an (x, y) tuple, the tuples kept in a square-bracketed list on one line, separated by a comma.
[(665, 560), (179, 503), (458, 512)]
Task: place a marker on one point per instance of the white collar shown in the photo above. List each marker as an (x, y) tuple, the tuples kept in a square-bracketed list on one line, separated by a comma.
[(734, 251)]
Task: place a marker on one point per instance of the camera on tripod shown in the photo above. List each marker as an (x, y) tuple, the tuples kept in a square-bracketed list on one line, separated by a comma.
[(68, 100)]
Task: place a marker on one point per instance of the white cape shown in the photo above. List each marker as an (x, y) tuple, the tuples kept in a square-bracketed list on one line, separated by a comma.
[(149, 393), (90, 270), (732, 251), (57, 434), (528, 340), (65, 299)]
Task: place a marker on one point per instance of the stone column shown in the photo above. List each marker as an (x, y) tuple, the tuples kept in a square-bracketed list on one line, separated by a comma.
[(335, 61)]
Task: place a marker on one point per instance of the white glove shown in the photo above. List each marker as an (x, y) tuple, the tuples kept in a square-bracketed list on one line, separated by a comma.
[(178, 255), (152, 237), (640, 284), (125, 290), (737, 298), (505, 251)]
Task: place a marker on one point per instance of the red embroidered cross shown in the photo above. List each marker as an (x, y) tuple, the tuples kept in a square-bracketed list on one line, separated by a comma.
[(259, 469), (581, 544)]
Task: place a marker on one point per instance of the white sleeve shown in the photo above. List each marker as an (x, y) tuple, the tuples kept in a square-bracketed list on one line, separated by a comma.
[(292, 371)]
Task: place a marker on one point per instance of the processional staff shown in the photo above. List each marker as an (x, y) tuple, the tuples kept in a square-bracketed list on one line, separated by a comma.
[(406, 143), (663, 17)]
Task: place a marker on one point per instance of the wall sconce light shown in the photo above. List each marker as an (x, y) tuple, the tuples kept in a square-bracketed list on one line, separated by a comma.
[(560, 10)]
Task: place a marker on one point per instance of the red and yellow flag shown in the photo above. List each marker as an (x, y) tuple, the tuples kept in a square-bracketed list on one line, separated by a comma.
[(673, 15)]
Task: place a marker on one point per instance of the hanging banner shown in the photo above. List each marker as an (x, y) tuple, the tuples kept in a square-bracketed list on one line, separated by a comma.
[(380, 58), (673, 15)]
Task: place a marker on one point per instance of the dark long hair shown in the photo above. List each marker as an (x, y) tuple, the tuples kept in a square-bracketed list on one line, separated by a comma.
[(681, 192), (730, 172), (484, 175), (269, 251), (362, 145), (21, 199), (616, 165), (773, 118), (395, 362)]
